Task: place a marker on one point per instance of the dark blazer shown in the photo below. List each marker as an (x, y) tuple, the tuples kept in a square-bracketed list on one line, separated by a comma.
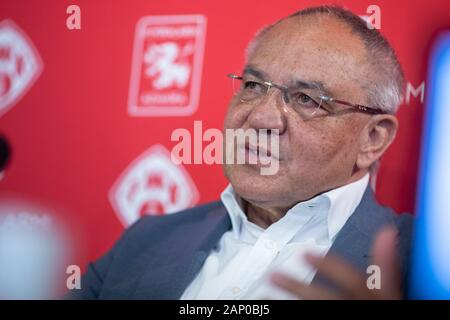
[(158, 257)]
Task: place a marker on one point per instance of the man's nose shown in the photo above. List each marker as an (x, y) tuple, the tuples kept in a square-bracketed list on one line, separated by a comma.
[(269, 113)]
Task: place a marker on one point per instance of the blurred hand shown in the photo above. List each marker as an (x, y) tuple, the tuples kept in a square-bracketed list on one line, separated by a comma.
[(351, 283)]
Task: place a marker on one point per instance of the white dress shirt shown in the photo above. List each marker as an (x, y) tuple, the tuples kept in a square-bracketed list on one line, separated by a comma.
[(238, 266)]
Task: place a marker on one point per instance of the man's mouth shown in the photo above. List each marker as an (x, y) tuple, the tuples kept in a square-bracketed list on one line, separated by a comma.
[(256, 154), (258, 150)]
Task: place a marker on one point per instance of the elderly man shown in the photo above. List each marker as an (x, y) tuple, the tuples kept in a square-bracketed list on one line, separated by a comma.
[(327, 87)]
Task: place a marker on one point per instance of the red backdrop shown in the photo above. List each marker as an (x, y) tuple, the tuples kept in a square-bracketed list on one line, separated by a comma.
[(72, 135)]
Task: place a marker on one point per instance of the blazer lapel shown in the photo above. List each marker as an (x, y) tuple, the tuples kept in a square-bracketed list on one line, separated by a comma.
[(354, 241), (168, 275)]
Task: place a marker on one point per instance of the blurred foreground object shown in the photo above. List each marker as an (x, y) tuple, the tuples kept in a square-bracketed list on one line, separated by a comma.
[(5, 154), (32, 252), (430, 278)]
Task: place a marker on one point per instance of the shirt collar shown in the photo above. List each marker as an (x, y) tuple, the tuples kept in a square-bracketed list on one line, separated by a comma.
[(233, 204), (338, 204), (344, 201)]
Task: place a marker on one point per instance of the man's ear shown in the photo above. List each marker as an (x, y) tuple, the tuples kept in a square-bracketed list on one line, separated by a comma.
[(376, 137)]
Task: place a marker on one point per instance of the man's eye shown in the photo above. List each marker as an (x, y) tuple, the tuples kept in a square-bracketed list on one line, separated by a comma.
[(305, 101), (253, 86)]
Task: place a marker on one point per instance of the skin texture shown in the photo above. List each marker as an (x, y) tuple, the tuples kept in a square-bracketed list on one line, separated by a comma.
[(319, 154)]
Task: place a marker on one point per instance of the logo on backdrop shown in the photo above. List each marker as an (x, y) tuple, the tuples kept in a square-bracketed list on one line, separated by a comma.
[(152, 184), (167, 65), (20, 64)]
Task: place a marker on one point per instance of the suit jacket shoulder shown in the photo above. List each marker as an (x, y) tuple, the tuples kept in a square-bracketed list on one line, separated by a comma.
[(157, 257), (154, 239)]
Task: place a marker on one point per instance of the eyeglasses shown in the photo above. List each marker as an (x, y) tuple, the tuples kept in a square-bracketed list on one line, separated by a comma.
[(307, 100)]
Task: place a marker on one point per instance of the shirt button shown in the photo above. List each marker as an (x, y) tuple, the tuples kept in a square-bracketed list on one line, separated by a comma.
[(236, 290), (270, 245)]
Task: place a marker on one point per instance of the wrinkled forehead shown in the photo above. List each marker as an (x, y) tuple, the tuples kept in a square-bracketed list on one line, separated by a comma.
[(314, 48)]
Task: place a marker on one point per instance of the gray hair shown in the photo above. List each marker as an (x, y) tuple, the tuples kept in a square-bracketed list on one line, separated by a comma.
[(387, 92)]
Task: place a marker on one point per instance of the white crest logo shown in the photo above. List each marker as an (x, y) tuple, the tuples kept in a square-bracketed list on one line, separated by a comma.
[(167, 65), (160, 60), (20, 64), (152, 184)]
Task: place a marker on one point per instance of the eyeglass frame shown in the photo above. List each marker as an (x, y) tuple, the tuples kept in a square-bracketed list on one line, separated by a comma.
[(283, 89)]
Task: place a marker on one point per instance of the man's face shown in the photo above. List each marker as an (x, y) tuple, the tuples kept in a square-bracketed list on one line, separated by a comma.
[(314, 155)]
